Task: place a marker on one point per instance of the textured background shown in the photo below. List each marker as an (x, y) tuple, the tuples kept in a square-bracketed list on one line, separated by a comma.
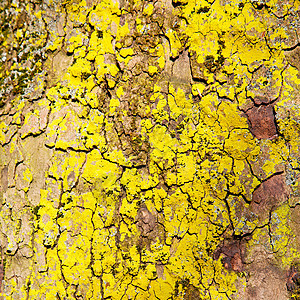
[(149, 149)]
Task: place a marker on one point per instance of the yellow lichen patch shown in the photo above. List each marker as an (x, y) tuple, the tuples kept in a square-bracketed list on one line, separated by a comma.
[(2, 134), (159, 113), (97, 169), (104, 14), (241, 145), (175, 43), (278, 153), (56, 44), (75, 42), (77, 12), (280, 232), (81, 67), (230, 117), (152, 70), (180, 101), (163, 145), (114, 103), (103, 250)]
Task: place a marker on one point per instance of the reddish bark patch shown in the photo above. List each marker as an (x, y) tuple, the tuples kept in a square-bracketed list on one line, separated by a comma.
[(268, 195), (271, 192), (233, 254), (293, 280), (262, 121)]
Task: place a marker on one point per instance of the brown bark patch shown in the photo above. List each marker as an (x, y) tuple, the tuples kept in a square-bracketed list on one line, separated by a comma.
[(181, 72), (146, 221), (293, 58), (258, 100), (262, 121), (271, 191), (293, 281), (71, 177), (192, 293), (269, 194), (232, 253), (4, 178)]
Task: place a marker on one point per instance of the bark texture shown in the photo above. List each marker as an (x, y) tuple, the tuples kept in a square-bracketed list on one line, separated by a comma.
[(149, 149)]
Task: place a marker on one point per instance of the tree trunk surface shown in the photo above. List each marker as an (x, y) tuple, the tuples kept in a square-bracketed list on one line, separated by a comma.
[(150, 149)]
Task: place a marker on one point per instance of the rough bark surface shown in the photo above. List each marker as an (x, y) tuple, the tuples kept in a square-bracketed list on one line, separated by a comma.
[(149, 149)]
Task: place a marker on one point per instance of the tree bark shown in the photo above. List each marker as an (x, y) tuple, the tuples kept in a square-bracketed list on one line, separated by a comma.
[(149, 149)]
